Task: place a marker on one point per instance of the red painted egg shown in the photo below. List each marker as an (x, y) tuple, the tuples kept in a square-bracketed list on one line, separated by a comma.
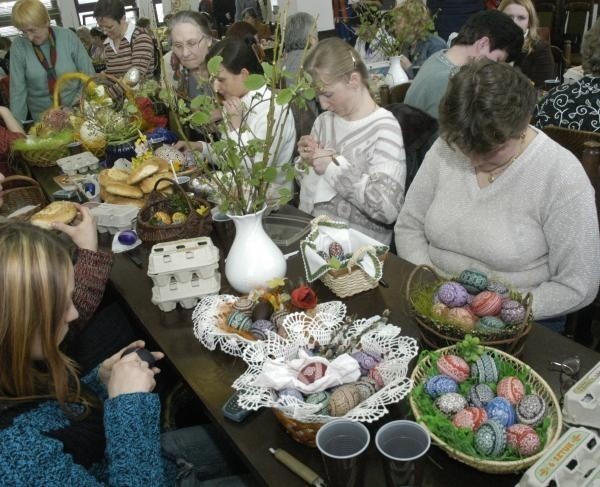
[(523, 439), (470, 417), (312, 372), (512, 389), (487, 303), (454, 367)]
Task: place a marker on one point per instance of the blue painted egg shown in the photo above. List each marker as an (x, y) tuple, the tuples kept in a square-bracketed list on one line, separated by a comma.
[(450, 403), (484, 369), (473, 280), (366, 361), (490, 439), (127, 237), (440, 384), (239, 321), (480, 394), (501, 410), (490, 324), (452, 294), (291, 392), (260, 328)]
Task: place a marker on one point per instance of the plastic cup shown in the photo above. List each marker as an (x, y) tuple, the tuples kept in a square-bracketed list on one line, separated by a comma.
[(341, 443), (403, 445)]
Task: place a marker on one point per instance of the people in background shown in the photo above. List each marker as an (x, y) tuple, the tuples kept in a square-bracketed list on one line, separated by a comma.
[(38, 58), (576, 105), (354, 157), (97, 49), (451, 15), (85, 37), (252, 16), (497, 195), (241, 5), (488, 34), (537, 61)]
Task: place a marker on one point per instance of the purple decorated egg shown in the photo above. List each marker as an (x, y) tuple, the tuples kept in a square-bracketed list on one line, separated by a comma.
[(470, 417), (260, 328), (450, 403), (312, 372), (366, 361), (127, 237), (486, 303), (490, 439), (498, 288), (511, 388), (523, 439), (336, 250), (500, 410), (452, 294), (512, 312), (454, 367), (440, 384)]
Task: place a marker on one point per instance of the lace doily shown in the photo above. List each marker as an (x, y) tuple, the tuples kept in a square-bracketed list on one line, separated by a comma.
[(386, 340), (209, 311)]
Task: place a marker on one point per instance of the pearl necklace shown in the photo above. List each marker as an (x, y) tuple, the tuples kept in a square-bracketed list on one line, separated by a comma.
[(493, 175)]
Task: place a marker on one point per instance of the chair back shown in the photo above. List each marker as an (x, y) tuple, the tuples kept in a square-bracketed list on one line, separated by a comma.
[(578, 19), (559, 62), (571, 139), (397, 93)]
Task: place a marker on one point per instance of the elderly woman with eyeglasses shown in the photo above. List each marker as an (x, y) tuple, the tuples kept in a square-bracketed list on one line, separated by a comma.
[(39, 57)]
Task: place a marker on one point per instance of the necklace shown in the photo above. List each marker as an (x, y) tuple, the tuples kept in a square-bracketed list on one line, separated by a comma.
[(493, 175)]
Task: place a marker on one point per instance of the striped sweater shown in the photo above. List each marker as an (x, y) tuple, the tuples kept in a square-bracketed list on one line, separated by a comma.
[(136, 49), (369, 181)]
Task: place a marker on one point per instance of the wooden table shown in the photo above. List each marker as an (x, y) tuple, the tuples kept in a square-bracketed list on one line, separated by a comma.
[(209, 374)]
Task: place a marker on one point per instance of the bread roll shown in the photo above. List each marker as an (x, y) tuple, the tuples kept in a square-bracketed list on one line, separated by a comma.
[(121, 189), (147, 184), (142, 172), (112, 175), (120, 200), (58, 211), (163, 164)]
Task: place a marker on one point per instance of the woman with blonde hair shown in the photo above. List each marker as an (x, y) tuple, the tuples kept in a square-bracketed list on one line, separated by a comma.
[(537, 62), (354, 155), (39, 57)]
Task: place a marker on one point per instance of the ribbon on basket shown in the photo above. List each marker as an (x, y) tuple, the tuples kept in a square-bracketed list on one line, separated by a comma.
[(358, 249)]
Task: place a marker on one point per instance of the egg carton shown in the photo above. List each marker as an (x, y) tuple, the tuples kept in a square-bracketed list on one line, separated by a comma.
[(570, 462), (187, 294), (181, 258), (114, 218), (582, 401), (82, 162)]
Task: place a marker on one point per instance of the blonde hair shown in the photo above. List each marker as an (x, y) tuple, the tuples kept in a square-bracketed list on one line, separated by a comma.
[(34, 278), (532, 37), (29, 12), (332, 60), (419, 15)]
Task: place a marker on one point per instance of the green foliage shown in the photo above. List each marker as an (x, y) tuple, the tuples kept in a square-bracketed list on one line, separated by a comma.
[(255, 81), (213, 65)]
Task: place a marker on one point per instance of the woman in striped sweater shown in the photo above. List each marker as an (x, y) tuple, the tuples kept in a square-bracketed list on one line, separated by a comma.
[(354, 159)]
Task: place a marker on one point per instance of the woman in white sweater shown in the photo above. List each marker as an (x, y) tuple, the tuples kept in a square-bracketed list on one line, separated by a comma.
[(497, 195), (354, 156)]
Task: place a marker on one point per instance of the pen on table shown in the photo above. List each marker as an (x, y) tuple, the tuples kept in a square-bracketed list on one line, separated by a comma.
[(308, 475)]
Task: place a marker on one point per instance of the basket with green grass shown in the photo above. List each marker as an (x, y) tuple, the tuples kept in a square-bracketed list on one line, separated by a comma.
[(439, 330), (44, 151), (459, 443)]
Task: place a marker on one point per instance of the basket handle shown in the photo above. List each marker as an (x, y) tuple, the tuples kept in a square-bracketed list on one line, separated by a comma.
[(126, 90), (357, 255), (412, 275), (315, 221), (528, 302), (179, 188), (10, 179)]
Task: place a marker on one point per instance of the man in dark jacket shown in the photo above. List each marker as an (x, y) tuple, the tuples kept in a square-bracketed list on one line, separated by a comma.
[(452, 14)]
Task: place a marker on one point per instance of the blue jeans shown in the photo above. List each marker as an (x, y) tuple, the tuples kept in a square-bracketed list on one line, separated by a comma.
[(556, 324), (199, 460)]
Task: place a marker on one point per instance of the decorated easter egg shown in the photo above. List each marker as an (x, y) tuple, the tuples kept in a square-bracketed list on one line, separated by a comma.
[(239, 321), (127, 237), (169, 153), (311, 372), (470, 417), (498, 288), (474, 281), (462, 318), (523, 439), (439, 310), (376, 376), (440, 384), (450, 403), (512, 312), (484, 369), (531, 410), (262, 311), (244, 305), (291, 392), (366, 387), (335, 250), (454, 367), (343, 399), (89, 134), (260, 328), (511, 388), (500, 410), (480, 394), (490, 439), (490, 324), (277, 318), (452, 294), (321, 399), (366, 361), (486, 303)]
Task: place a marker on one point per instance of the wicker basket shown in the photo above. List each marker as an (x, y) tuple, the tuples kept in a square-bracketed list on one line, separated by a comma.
[(44, 158), (304, 433), (352, 279), (21, 191), (434, 336), (538, 386), (194, 226)]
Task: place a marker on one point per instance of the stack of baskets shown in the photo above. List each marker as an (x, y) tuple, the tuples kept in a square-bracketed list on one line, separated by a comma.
[(21, 191)]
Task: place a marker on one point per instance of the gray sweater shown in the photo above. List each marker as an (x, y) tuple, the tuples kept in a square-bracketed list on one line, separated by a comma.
[(535, 228)]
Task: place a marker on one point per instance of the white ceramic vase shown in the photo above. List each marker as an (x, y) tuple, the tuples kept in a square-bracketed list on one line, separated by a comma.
[(396, 75), (254, 258)]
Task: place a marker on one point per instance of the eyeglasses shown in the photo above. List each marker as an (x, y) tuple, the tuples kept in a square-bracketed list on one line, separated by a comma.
[(568, 371), (191, 44)]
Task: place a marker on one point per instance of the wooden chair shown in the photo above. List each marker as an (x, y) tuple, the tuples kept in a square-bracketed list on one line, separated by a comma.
[(559, 63), (573, 140), (549, 17), (397, 93), (578, 18)]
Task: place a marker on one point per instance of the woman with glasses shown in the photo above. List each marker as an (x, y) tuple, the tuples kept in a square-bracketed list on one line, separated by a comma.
[(39, 57)]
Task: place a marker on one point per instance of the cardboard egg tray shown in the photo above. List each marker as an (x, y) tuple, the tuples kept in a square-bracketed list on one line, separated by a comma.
[(183, 271), (83, 162), (114, 218), (571, 462)]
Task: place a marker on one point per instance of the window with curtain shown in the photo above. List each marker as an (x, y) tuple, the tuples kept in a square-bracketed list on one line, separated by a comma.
[(6, 27)]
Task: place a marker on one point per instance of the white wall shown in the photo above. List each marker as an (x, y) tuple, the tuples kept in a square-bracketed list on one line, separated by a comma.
[(321, 9)]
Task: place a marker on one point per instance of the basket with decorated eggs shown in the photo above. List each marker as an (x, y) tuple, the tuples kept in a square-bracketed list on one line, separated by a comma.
[(347, 261), (484, 407), (353, 369), (447, 310), (234, 322)]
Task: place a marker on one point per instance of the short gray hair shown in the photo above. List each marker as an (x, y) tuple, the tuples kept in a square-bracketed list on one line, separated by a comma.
[(297, 30)]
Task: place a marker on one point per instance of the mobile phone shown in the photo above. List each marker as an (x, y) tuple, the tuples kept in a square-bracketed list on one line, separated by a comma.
[(144, 354), (233, 411)]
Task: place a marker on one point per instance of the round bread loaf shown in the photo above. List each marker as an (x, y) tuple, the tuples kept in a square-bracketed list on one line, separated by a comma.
[(121, 189), (147, 185), (142, 172), (120, 200), (112, 175), (58, 211)]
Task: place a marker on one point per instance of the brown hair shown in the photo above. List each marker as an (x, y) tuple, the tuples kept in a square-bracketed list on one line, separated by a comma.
[(486, 104), (532, 37), (34, 278)]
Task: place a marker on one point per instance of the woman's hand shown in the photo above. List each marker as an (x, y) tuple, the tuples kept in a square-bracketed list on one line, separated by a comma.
[(84, 232), (307, 145), (233, 109)]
